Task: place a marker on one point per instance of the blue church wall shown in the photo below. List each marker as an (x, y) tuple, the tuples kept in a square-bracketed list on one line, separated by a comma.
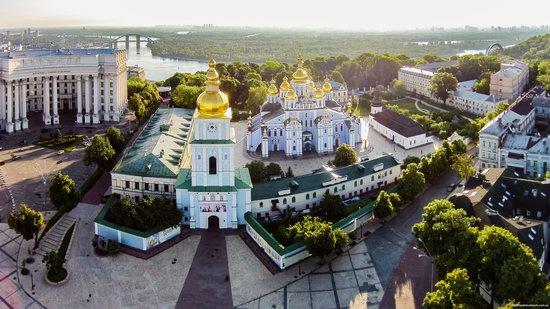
[(107, 232), (131, 240), (184, 204), (241, 205)]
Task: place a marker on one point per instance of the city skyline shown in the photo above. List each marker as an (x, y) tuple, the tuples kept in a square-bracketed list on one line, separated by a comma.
[(406, 15)]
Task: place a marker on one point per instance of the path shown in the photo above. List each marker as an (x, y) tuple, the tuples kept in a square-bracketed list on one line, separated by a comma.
[(436, 107), (207, 284)]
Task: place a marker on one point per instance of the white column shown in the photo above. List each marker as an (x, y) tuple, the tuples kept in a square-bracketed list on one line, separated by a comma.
[(95, 117), (46, 98), (79, 99), (9, 123), (16, 106), (106, 97), (2, 103), (55, 101), (116, 110), (24, 120), (87, 94)]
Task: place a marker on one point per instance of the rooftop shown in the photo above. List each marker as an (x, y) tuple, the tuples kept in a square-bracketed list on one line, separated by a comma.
[(434, 66), (56, 52), (399, 123), (242, 181), (319, 179), (158, 150)]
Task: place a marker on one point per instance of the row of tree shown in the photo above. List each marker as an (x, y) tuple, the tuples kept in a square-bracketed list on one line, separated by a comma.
[(147, 214), (466, 256), (260, 172), (104, 149)]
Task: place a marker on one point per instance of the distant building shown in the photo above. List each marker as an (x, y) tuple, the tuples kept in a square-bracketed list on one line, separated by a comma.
[(396, 127), (510, 82), (466, 99), (517, 138), (499, 197), (417, 79), (136, 71), (303, 117), (90, 81)]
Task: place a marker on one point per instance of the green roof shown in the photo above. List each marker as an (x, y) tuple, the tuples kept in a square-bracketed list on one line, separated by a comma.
[(315, 180), (242, 181), (158, 149), (212, 141)]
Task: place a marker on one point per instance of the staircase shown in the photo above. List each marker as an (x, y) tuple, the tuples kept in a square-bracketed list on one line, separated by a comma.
[(54, 237)]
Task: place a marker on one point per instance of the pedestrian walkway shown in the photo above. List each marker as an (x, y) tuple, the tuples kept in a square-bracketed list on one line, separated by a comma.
[(208, 284), (12, 294), (348, 281), (54, 237)]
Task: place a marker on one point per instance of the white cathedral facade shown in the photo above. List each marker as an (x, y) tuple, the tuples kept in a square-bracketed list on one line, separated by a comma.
[(302, 117)]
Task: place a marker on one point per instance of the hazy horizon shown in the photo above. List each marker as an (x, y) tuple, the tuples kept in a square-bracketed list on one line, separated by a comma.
[(399, 15)]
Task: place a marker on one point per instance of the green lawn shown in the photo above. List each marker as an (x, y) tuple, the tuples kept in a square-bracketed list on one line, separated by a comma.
[(68, 143), (408, 105)]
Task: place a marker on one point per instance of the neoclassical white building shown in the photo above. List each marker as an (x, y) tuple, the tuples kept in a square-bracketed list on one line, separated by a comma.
[(302, 117), (92, 81)]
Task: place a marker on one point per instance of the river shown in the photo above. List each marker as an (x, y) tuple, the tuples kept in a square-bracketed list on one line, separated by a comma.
[(158, 68)]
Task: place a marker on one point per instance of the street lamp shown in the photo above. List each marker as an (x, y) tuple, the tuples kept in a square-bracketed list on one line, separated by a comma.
[(432, 259)]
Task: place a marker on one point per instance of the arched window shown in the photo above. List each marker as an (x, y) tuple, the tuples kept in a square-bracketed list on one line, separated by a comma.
[(212, 165), (314, 194), (284, 201), (293, 199), (307, 196)]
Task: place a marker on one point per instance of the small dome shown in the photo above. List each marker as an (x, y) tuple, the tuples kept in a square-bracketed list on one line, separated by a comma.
[(318, 93), (326, 86), (212, 103), (291, 94), (285, 84), (311, 84), (300, 76), (272, 90)]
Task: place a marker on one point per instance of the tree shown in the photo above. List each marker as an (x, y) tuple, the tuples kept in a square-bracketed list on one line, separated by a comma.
[(483, 85), (411, 182), (115, 138), (257, 170), (27, 222), (396, 201), (256, 97), (58, 136), (547, 176), (383, 206), (331, 207), (63, 192), (54, 261), (273, 169), (345, 155), (456, 291), (441, 84), (186, 96), (318, 236), (336, 76), (411, 159), (463, 165), (135, 104), (507, 266), (99, 152), (398, 87), (289, 173)]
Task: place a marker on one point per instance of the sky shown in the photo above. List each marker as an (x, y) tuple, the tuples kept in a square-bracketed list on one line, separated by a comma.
[(381, 15)]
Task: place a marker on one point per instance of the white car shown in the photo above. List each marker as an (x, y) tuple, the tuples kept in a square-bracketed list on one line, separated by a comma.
[(60, 152)]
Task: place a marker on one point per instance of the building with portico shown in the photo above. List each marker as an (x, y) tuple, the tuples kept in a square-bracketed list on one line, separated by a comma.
[(90, 81)]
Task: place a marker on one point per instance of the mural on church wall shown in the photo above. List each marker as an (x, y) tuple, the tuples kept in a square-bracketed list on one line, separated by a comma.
[(213, 207)]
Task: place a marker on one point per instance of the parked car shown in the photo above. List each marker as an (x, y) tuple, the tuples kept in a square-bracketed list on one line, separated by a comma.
[(15, 158), (23, 142), (451, 187), (60, 152)]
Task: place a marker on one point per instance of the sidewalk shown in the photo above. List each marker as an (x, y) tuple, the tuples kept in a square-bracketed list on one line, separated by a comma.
[(410, 281)]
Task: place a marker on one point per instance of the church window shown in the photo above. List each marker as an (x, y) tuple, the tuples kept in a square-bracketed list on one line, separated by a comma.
[(307, 196), (355, 183), (341, 127), (343, 187), (212, 165), (281, 132), (185, 208), (127, 185), (261, 204), (314, 194), (136, 185), (166, 188), (284, 201), (156, 187), (293, 199), (198, 157), (325, 133), (146, 186), (274, 132), (269, 133), (335, 189), (212, 197)]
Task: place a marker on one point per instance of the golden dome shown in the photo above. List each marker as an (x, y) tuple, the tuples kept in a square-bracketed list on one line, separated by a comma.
[(300, 76), (212, 103), (318, 93), (291, 94), (272, 90), (285, 85), (326, 86)]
